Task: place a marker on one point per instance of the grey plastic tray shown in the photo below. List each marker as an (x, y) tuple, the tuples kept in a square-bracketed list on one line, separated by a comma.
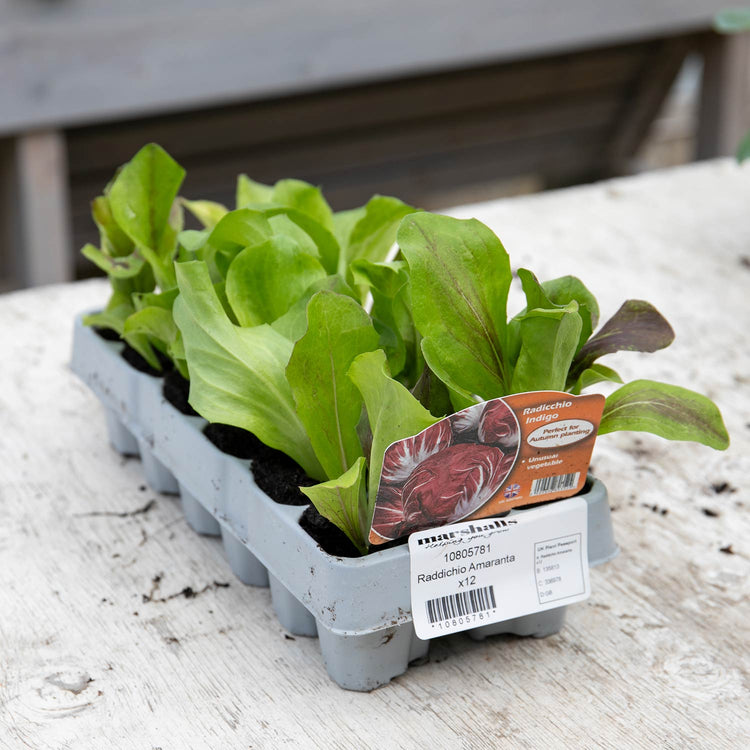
[(358, 607)]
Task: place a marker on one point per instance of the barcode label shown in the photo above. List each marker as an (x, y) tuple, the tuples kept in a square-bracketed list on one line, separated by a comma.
[(545, 485), (480, 572), (464, 603)]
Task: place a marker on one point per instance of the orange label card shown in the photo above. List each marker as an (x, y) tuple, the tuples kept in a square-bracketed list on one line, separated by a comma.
[(486, 459)]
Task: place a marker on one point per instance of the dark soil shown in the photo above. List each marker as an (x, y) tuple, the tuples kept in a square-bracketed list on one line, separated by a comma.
[(329, 537), (176, 390), (234, 440), (280, 477), (275, 473), (108, 334), (332, 540), (336, 543), (135, 360)]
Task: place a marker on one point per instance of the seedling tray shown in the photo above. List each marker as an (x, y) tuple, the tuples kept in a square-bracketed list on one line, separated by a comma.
[(359, 608)]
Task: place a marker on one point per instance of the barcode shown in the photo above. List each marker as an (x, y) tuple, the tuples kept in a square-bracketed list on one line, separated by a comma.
[(463, 603), (553, 484)]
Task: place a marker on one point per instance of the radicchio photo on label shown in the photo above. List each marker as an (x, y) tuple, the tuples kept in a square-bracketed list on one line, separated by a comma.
[(465, 423), (446, 472), (403, 457), (497, 425)]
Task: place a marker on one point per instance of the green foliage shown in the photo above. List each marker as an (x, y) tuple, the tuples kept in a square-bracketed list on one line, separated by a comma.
[(459, 281), (208, 213), (460, 278), (237, 375), (732, 21), (265, 280), (138, 220), (343, 501), (328, 403), (304, 327), (669, 411), (743, 150), (392, 411), (142, 201)]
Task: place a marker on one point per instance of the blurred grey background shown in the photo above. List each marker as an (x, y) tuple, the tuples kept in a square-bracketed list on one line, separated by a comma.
[(437, 102)]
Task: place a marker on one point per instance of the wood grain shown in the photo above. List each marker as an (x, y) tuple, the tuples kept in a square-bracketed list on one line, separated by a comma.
[(657, 657)]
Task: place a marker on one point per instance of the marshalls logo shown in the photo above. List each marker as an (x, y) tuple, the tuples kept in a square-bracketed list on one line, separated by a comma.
[(478, 528)]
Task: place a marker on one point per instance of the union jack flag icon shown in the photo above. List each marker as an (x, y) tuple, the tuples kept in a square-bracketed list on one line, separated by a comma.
[(511, 491)]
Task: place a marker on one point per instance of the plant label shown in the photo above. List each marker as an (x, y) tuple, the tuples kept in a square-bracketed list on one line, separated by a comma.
[(486, 459), (478, 573)]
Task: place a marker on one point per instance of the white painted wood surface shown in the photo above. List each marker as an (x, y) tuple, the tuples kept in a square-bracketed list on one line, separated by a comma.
[(64, 63), (658, 657)]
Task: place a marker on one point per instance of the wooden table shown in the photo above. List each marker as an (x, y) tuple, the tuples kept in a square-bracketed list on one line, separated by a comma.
[(101, 644)]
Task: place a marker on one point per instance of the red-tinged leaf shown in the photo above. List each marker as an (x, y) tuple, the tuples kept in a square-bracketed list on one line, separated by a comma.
[(669, 411), (637, 326)]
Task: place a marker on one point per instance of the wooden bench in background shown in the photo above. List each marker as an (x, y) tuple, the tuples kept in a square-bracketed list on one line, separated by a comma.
[(411, 98)]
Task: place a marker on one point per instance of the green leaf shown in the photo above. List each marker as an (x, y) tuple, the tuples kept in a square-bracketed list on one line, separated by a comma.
[(234, 232), (208, 213), (249, 191), (535, 295), (239, 229), (743, 150), (460, 277), (142, 194), (432, 393), (732, 21), (154, 321), (193, 240), (566, 289), (636, 326), (152, 326), (114, 241), (118, 267), (556, 293), (374, 233), (283, 226), (344, 222), (595, 374), (669, 411), (114, 315), (144, 328), (391, 313), (549, 339), (177, 352), (386, 277), (305, 198), (237, 375), (321, 236), (343, 501), (293, 323), (392, 411), (328, 403), (167, 249), (264, 281)]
